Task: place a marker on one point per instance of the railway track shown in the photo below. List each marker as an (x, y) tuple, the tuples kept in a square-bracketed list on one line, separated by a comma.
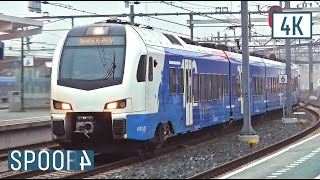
[(45, 145), (4, 171), (195, 138), (229, 166)]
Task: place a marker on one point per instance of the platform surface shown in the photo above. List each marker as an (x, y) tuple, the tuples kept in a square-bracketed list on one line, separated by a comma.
[(7, 117), (297, 161)]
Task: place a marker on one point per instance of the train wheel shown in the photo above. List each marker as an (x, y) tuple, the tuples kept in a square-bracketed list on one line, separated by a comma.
[(161, 134)]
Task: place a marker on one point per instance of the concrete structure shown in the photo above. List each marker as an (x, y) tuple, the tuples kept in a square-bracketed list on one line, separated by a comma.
[(15, 27), (24, 128)]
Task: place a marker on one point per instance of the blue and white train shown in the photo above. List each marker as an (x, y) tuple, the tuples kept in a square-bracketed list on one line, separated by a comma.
[(115, 83)]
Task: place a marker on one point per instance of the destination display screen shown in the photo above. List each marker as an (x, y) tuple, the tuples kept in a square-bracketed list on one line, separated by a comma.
[(95, 41)]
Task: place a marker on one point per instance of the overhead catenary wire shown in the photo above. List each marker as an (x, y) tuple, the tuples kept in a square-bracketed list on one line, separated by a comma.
[(222, 20), (194, 4), (67, 7), (204, 15), (72, 8)]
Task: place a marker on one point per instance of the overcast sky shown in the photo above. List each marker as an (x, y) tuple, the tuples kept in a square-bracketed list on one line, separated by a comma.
[(51, 33)]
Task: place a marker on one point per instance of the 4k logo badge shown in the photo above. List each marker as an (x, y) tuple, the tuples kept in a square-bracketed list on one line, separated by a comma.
[(291, 25)]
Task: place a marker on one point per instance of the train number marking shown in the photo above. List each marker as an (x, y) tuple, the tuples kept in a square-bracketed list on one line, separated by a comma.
[(283, 79)]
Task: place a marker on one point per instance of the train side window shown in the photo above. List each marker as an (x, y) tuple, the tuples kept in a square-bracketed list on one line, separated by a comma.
[(269, 85), (293, 84), (141, 71), (180, 81), (202, 87), (196, 87), (225, 84), (215, 87), (172, 81), (220, 78), (259, 85), (234, 84), (254, 85), (277, 85), (209, 83), (272, 86), (270, 82), (150, 74), (277, 82), (238, 87), (262, 84)]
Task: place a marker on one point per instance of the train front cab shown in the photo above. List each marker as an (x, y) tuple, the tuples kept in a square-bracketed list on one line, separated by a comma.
[(99, 97)]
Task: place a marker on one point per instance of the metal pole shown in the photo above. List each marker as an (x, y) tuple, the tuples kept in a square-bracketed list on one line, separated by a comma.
[(247, 128), (288, 72), (72, 22), (22, 76), (132, 13), (249, 27), (225, 39), (191, 26), (310, 69)]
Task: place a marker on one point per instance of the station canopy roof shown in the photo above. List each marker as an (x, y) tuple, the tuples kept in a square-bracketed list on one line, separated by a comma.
[(16, 27)]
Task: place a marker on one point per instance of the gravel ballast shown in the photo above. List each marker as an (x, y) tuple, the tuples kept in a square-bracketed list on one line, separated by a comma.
[(196, 159)]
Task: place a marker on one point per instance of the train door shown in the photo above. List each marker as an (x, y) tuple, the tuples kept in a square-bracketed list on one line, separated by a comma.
[(154, 66), (236, 98), (187, 69)]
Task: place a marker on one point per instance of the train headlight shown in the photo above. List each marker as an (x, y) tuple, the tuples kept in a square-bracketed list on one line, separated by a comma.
[(112, 105), (66, 106), (116, 105), (97, 31), (61, 105)]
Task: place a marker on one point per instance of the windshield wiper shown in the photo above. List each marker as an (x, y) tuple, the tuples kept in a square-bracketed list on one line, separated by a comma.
[(102, 57), (114, 63), (111, 69)]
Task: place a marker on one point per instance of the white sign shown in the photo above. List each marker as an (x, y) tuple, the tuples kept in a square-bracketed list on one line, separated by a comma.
[(28, 61), (292, 25), (283, 79)]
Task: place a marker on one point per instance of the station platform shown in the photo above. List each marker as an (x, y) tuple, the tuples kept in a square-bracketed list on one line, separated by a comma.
[(28, 115), (18, 129), (4, 105), (297, 161)]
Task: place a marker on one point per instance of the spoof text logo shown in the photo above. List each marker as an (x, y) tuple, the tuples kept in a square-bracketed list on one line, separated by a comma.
[(292, 25), (50, 160)]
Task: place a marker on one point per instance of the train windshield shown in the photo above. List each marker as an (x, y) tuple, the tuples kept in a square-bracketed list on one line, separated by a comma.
[(92, 61)]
